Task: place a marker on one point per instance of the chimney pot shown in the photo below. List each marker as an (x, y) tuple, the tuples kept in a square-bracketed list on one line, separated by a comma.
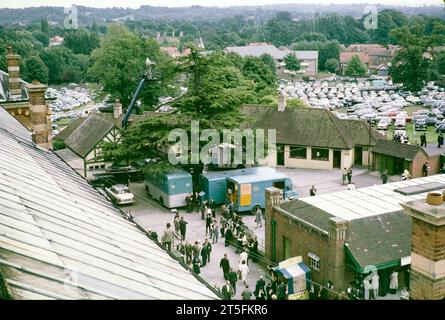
[(434, 199)]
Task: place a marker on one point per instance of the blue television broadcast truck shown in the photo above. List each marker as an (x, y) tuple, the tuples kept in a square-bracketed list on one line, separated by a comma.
[(170, 188), (244, 187)]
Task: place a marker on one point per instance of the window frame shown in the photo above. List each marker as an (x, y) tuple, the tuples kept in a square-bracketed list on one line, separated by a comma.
[(294, 148), (314, 151)]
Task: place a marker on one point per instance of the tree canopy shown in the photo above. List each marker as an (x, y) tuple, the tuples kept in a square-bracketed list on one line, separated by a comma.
[(355, 67)]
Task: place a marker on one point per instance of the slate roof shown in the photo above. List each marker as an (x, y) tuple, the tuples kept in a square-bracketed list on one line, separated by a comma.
[(60, 239), (397, 149), (380, 239), (91, 131), (307, 55), (258, 50), (308, 127), (69, 129), (308, 213), (360, 133)]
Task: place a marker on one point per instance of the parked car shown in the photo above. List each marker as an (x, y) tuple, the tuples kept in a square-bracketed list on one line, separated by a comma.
[(440, 128), (382, 125), (120, 194), (420, 124)]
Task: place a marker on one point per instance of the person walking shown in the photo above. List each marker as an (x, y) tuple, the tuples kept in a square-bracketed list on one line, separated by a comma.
[(344, 175), (259, 218), (209, 221), (246, 294), (196, 201), (384, 176), (439, 140), (243, 270), (425, 169), (196, 249), (212, 207), (168, 236), (406, 175), (281, 291), (233, 278), (394, 282), (196, 265), (215, 233), (227, 291), (204, 253), (244, 256), (176, 222), (224, 264), (188, 253), (183, 227), (203, 210), (312, 191), (260, 284), (423, 140), (189, 203), (349, 175)]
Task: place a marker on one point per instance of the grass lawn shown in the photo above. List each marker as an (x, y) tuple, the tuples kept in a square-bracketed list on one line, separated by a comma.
[(414, 136), (63, 122)]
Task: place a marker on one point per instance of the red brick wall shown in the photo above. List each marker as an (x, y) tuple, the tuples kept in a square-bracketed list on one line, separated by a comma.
[(303, 240), (428, 240), (416, 166)]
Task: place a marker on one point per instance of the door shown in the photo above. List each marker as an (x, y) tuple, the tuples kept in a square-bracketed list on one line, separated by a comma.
[(358, 156), (280, 155), (337, 159)]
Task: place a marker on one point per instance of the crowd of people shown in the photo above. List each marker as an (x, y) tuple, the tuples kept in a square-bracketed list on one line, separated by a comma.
[(222, 222)]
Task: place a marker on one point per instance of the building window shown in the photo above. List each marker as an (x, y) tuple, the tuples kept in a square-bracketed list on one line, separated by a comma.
[(314, 261), (298, 152), (320, 154)]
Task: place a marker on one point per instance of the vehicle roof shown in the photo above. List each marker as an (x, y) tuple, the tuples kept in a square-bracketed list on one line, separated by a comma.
[(218, 175), (178, 174), (261, 176), (120, 187)]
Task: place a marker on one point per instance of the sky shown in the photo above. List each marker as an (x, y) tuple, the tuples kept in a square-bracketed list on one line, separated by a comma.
[(182, 3)]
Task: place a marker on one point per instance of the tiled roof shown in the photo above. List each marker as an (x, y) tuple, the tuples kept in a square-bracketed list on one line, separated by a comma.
[(397, 149), (258, 50), (60, 239), (308, 127)]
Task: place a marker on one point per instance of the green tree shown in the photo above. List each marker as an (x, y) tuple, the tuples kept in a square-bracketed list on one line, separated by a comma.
[(35, 69), (217, 90), (80, 41), (269, 61), (119, 63), (356, 68), (292, 62), (412, 64), (44, 26), (332, 65)]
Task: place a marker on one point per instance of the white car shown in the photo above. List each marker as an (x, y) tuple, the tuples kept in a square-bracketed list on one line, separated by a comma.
[(382, 125), (120, 194)]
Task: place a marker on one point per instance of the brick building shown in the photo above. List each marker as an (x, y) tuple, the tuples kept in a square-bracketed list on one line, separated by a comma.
[(26, 102), (343, 235), (427, 248), (396, 157)]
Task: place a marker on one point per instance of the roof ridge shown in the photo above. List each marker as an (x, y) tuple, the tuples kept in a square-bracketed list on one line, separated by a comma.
[(337, 122)]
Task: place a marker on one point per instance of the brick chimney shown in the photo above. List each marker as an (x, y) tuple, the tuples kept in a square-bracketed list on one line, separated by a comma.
[(39, 115), (273, 198), (281, 102), (337, 229), (427, 279), (15, 90), (117, 109)]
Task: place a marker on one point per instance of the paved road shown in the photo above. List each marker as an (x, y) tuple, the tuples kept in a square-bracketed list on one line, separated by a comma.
[(150, 214)]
